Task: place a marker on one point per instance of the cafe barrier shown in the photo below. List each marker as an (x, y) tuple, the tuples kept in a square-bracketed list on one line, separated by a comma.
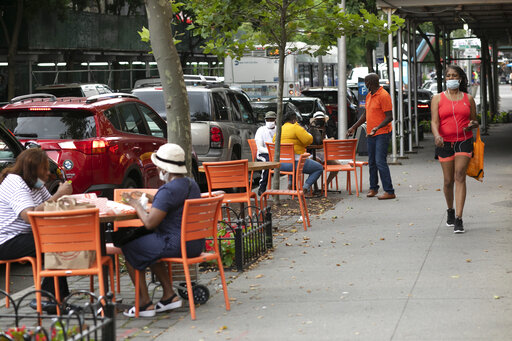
[(88, 317), (244, 236)]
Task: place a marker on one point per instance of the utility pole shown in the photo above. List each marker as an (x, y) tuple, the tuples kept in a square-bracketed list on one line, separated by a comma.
[(342, 83)]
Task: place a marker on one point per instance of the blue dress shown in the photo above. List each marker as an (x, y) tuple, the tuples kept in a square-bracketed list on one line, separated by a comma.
[(166, 240)]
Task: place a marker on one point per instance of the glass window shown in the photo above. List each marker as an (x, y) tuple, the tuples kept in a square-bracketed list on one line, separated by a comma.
[(199, 105), (235, 111), (157, 128), (245, 109), (54, 124), (5, 151), (131, 119), (221, 109), (111, 115)]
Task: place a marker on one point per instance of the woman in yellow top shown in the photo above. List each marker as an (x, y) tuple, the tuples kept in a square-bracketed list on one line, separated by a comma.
[(292, 132)]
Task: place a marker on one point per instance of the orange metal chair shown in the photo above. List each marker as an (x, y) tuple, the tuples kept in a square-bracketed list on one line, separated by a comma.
[(114, 250), (7, 263), (65, 231), (287, 155), (254, 153), (298, 192), (340, 150), (199, 221), (230, 174)]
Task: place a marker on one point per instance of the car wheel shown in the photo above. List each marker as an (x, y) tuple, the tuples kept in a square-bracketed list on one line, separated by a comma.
[(129, 183)]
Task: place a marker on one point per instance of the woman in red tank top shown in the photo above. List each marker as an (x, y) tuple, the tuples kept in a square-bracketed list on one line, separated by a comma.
[(453, 117)]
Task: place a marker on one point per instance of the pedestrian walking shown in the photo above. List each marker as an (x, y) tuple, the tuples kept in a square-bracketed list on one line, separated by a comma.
[(378, 117), (453, 117)]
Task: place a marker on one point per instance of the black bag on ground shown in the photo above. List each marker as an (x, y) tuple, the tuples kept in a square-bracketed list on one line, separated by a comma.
[(125, 235)]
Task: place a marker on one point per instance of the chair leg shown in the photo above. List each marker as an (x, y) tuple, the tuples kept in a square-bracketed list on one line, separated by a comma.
[(57, 293), (357, 185), (7, 284), (301, 204), (224, 284), (190, 293), (118, 274), (325, 183), (361, 178)]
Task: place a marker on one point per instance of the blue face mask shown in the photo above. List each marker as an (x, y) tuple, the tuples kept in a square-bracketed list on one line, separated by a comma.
[(453, 83), (39, 184)]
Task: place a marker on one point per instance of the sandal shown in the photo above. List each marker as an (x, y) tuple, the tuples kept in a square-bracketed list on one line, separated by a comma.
[(143, 312), (168, 304)]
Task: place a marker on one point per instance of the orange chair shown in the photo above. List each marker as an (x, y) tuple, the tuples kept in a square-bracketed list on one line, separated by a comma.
[(254, 153), (230, 174), (340, 150), (298, 192), (7, 263), (199, 221), (65, 231), (287, 155), (114, 250)]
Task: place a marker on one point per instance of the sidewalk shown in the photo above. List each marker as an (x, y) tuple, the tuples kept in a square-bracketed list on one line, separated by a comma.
[(370, 269), (381, 270)]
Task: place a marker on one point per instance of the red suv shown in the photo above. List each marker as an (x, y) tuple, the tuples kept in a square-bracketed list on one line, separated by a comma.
[(102, 142)]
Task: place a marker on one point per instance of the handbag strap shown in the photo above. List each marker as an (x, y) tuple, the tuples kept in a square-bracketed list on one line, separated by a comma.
[(478, 134)]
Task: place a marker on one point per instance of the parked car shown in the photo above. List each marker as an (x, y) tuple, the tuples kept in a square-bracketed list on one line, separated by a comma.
[(10, 148), (222, 120), (307, 106), (102, 142), (189, 80), (329, 96), (424, 98), (74, 89), (262, 107)]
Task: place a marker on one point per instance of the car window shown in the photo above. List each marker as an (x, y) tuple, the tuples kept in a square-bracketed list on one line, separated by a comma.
[(221, 109), (245, 109), (5, 151), (305, 107), (157, 128), (199, 105), (235, 111), (111, 115), (62, 92), (261, 108), (54, 124), (131, 119)]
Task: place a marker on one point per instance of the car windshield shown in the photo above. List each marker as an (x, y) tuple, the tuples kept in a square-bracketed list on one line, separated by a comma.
[(58, 125), (305, 107), (261, 108), (327, 97)]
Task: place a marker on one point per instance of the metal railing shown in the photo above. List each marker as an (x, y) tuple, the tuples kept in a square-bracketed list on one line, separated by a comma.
[(88, 317)]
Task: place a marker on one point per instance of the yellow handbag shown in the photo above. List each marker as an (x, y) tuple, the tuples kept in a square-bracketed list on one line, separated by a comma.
[(476, 164)]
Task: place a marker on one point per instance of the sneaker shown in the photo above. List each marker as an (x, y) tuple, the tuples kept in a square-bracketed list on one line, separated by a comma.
[(450, 217), (459, 227)]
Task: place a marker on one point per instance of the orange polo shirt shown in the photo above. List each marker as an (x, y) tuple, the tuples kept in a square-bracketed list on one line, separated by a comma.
[(376, 105)]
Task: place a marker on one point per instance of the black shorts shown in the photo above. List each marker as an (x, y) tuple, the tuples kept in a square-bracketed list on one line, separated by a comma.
[(450, 149)]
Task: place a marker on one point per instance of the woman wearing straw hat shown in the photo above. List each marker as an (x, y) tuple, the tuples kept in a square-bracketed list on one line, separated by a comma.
[(164, 220)]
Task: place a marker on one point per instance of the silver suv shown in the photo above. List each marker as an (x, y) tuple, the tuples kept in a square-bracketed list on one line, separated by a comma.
[(221, 120)]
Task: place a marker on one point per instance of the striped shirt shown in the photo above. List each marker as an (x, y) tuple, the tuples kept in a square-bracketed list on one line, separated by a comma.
[(15, 196)]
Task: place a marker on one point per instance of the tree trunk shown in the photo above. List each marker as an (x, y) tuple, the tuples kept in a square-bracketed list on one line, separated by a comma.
[(279, 120), (171, 75), (13, 51)]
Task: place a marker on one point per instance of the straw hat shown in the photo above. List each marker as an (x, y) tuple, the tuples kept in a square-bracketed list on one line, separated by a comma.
[(319, 114), (171, 158)]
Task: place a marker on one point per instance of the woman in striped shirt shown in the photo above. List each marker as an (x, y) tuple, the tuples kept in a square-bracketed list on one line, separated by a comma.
[(22, 190)]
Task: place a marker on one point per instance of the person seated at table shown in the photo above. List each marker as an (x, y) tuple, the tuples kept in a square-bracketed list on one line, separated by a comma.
[(164, 220), (319, 121), (292, 132), (265, 134), (22, 190)]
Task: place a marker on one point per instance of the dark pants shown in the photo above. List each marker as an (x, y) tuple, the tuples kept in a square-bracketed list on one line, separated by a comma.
[(22, 246), (264, 175), (377, 163)]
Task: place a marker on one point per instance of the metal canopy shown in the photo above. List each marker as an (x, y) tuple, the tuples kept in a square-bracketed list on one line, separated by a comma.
[(491, 18)]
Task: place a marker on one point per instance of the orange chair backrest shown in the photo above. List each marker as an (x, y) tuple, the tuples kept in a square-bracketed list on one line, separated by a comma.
[(254, 149), (299, 178), (199, 220), (287, 154), (227, 174), (340, 150), (64, 231), (118, 196)]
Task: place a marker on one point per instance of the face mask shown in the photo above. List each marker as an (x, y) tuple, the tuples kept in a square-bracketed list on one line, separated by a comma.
[(163, 176), (453, 83), (39, 184), (270, 125)]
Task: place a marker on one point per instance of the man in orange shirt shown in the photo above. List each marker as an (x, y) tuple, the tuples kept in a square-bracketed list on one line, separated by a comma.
[(378, 117)]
